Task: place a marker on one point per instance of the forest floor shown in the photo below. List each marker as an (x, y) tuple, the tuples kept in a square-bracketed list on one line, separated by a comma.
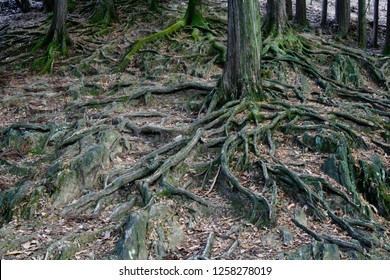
[(49, 122)]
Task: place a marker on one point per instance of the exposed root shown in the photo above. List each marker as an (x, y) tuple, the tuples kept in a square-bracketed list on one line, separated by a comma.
[(138, 45), (307, 144)]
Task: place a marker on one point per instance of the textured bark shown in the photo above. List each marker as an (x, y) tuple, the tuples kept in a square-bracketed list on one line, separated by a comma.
[(105, 12), (194, 13), (58, 33), (344, 18), (362, 35), (386, 49), (300, 14), (324, 13), (376, 22), (241, 78), (289, 9), (24, 5), (276, 16)]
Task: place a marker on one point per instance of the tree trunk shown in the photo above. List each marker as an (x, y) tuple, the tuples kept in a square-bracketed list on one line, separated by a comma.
[(344, 18), (58, 34), (337, 11), (386, 49), (324, 14), (362, 35), (241, 78), (289, 9), (300, 14), (376, 24), (24, 5), (194, 14), (276, 16), (105, 12)]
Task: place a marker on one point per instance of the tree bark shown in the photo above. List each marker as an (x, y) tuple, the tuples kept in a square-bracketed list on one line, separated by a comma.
[(289, 9), (386, 48), (300, 13), (24, 5), (376, 24), (337, 11), (276, 16), (344, 18), (324, 14), (194, 13), (241, 78), (58, 33), (105, 12), (362, 25)]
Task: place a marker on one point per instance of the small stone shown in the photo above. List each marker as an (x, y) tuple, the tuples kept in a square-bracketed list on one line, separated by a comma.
[(300, 216), (330, 252), (270, 239), (286, 235)]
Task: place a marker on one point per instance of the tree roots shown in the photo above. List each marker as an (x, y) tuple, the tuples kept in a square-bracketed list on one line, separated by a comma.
[(315, 112)]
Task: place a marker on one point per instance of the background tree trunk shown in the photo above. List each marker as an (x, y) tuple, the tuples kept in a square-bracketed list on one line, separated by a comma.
[(24, 5), (386, 49), (289, 9), (276, 16), (105, 12), (241, 76), (194, 13), (362, 24), (337, 11), (58, 34), (344, 18), (376, 24), (300, 14), (324, 14)]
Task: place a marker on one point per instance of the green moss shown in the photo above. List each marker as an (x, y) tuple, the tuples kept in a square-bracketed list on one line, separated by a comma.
[(26, 142), (138, 45), (93, 91), (55, 49), (194, 15), (325, 141), (196, 34), (256, 116), (87, 69), (28, 210), (345, 70), (21, 171), (266, 73), (374, 182), (288, 41), (384, 195), (11, 199)]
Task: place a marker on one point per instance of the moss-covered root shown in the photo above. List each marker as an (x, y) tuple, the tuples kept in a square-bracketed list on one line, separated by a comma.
[(138, 45), (57, 39), (194, 15), (54, 50)]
